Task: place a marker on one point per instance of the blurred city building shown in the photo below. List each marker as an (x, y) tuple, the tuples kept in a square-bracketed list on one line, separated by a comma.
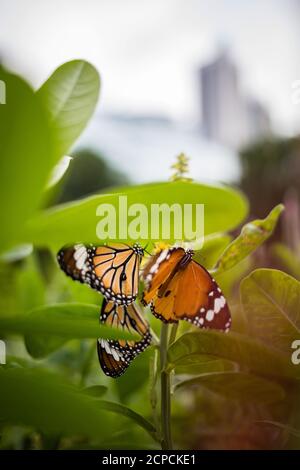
[(229, 117)]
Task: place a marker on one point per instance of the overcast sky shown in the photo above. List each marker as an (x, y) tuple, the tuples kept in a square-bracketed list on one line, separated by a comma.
[(148, 51)]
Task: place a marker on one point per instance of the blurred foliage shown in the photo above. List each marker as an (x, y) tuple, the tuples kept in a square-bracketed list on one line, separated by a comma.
[(88, 173), (269, 169), (290, 260), (238, 390)]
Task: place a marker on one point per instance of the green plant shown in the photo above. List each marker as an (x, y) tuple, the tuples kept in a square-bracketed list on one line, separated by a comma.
[(190, 377)]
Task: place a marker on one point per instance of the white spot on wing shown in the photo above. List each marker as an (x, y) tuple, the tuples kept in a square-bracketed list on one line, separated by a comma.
[(218, 305), (159, 260), (115, 354), (209, 315), (80, 256), (79, 250)]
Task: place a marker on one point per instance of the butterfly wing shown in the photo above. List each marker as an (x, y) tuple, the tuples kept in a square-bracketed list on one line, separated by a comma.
[(162, 305), (116, 355), (160, 267), (200, 299), (112, 361), (117, 269), (112, 270), (76, 262), (193, 295)]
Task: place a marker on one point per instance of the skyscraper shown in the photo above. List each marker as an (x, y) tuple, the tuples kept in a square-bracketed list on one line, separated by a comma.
[(228, 117)]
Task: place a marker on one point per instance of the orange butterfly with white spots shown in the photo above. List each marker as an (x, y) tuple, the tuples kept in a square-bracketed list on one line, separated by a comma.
[(179, 288)]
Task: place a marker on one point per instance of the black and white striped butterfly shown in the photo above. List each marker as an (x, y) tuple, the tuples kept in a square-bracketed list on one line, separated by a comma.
[(112, 270)]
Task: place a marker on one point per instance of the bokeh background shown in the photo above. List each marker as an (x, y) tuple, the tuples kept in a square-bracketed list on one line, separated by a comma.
[(218, 80), (206, 79)]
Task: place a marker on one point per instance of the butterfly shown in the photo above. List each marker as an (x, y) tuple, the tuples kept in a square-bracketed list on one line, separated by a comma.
[(111, 269), (179, 288), (116, 355)]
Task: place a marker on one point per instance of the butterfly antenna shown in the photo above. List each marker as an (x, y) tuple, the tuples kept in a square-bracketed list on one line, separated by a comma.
[(146, 250)]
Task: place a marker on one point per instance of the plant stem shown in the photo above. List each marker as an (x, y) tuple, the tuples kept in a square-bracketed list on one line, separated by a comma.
[(173, 333), (154, 374), (165, 390), (154, 337)]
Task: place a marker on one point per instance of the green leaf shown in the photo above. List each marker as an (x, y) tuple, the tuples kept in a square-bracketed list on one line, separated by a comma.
[(51, 405), (32, 397), (200, 364), (237, 386), (125, 411), (20, 362), (224, 209), (70, 95), (96, 391), (26, 157), (271, 301), (252, 236), (213, 247), (30, 287), (135, 378), (253, 355), (40, 345), (65, 321)]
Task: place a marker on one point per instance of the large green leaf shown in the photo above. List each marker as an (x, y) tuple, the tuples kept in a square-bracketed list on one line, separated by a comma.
[(125, 411), (96, 391), (224, 209), (271, 301), (237, 386), (70, 95), (58, 323), (196, 364), (252, 236), (247, 352), (32, 397), (25, 157)]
